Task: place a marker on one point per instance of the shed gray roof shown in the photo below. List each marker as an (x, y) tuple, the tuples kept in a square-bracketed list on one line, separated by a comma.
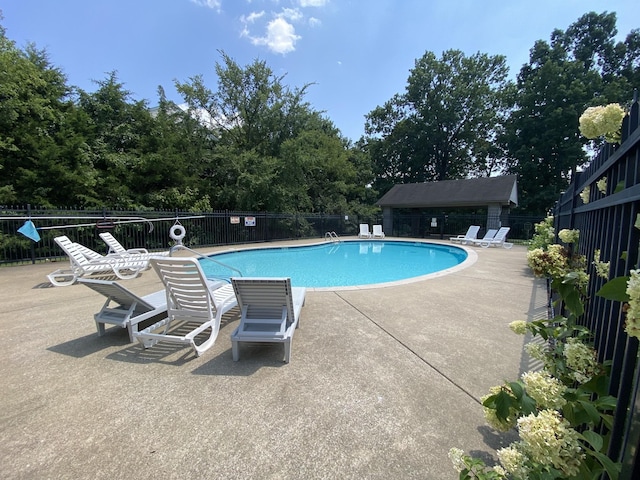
[(474, 192)]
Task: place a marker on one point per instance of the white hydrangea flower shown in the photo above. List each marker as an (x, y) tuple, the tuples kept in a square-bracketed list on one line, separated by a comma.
[(519, 327), (549, 439), (581, 359), (585, 194), (546, 390), (602, 121), (569, 236), (632, 325)]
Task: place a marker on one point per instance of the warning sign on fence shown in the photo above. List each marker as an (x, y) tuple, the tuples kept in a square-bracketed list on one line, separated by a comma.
[(249, 221)]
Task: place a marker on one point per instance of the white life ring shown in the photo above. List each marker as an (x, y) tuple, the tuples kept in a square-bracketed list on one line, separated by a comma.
[(177, 232)]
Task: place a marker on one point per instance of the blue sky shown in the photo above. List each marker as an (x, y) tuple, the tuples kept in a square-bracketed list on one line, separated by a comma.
[(357, 53)]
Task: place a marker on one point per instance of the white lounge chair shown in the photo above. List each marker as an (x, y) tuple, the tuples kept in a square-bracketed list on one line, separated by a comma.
[(489, 235), (84, 261), (193, 302), (364, 231), (115, 247), (123, 307), (498, 241), (270, 312), (377, 231), (472, 234)]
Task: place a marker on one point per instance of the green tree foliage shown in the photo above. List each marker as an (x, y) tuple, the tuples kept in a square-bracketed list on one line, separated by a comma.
[(43, 157), (273, 151), (580, 67), (445, 124)]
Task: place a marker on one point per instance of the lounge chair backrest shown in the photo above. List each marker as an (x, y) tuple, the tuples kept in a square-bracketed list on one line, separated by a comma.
[(114, 245), (73, 250), (502, 234), (490, 235), (265, 298), (186, 285), (364, 230), (472, 232), (119, 294), (377, 231)]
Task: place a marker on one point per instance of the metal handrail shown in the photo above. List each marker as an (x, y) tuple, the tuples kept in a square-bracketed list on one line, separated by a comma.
[(205, 257), (333, 236)]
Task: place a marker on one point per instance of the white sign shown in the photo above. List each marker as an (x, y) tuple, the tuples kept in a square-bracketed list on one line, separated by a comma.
[(434, 222), (249, 221)]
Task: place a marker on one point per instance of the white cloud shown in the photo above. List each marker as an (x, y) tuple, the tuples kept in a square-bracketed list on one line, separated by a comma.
[(313, 3), (314, 22), (252, 17), (212, 4), (292, 14), (280, 36)]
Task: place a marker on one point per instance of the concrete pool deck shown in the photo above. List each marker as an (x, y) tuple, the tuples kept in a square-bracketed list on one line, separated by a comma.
[(382, 382)]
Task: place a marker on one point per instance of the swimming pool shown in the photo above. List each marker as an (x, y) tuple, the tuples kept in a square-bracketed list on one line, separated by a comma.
[(350, 264)]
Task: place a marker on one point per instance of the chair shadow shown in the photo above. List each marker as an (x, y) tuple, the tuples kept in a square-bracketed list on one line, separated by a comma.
[(253, 357), (91, 344)]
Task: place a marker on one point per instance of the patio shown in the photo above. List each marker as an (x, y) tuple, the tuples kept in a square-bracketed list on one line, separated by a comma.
[(382, 382)]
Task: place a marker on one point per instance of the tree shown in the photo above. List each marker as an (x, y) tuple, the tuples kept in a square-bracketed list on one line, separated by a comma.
[(273, 151), (43, 154), (580, 67), (444, 124)]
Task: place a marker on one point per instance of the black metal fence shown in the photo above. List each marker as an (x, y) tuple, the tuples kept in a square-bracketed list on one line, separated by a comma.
[(442, 225), (603, 202), (150, 229)]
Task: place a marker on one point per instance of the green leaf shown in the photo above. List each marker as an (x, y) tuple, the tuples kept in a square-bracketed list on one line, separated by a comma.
[(619, 188), (608, 402), (503, 405), (590, 410), (612, 468), (573, 301), (615, 289), (527, 404), (517, 388), (594, 439)]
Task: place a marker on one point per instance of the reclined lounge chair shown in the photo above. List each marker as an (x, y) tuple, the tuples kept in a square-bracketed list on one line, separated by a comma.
[(116, 248), (498, 241), (193, 304), (472, 234), (270, 312), (377, 231), (123, 307), (84, 261), (364, 231)]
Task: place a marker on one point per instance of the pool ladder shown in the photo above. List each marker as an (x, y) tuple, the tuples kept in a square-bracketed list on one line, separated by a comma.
[(333, 236)]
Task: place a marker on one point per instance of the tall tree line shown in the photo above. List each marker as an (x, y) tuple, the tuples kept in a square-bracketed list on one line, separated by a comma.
[(253, 143), (461, 117)]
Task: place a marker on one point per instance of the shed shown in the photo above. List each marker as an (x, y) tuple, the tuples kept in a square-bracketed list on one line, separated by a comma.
[(492, 193)]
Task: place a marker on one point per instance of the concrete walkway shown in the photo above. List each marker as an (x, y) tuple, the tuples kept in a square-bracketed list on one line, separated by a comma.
[(382, 383)]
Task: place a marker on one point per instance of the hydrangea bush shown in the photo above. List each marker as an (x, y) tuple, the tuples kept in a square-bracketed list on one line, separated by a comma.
[(562, 412)]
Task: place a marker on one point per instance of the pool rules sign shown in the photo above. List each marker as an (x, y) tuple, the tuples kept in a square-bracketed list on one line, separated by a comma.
[(249, 221)]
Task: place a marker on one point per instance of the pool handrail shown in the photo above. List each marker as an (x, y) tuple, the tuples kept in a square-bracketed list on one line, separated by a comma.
[(333, 236), (205, 257)]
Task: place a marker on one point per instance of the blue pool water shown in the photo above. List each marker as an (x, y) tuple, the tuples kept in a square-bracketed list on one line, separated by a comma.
[(343, 264)]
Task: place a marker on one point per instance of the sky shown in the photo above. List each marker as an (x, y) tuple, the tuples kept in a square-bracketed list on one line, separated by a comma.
[(355, 54)]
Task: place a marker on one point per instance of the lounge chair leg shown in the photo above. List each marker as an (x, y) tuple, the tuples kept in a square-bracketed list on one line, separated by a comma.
[(287, 352), (235, 351), (100, 328)]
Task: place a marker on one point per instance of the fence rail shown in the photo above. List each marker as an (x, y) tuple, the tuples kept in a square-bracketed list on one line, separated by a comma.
[(603, 202), (150, 229)]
